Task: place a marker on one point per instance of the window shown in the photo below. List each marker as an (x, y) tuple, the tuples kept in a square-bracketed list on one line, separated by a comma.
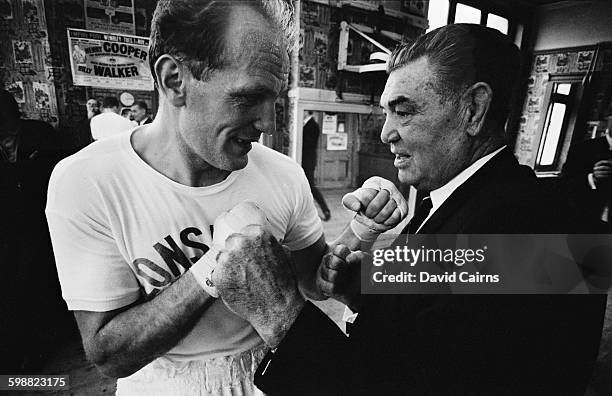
[(497, 22), (560, 118), (467, 14), (437, 14), (443, 12)]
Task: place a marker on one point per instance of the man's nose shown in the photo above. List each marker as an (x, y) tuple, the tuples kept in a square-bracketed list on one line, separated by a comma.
[(266, 117), (389, 133)]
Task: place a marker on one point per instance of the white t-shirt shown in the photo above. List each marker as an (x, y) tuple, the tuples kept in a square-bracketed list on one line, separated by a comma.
[(109, 124), (121, 230)]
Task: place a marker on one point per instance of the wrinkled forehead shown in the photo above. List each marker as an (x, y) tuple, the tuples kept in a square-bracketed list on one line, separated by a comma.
[(259, 48), (415, 79)]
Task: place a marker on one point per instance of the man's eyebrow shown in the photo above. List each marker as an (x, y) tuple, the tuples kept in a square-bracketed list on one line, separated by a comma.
[(251, 91), (402, 100)]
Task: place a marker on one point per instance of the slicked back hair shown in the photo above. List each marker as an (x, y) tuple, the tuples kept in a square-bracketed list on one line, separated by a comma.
[(193, 31), (462, 55)]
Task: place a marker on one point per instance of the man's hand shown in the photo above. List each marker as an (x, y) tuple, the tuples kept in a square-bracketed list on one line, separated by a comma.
[(233, 220), (339, 276), (379, 207), (255, 280), (602, 173)]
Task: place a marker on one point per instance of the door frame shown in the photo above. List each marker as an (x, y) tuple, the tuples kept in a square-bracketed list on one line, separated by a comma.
[(325, 101)]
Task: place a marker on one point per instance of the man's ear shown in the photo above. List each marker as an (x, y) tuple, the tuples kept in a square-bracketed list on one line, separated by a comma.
[(170, 77), (479, 97)]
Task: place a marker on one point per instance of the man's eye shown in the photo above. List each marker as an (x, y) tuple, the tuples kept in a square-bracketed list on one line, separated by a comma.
[(245, 100)]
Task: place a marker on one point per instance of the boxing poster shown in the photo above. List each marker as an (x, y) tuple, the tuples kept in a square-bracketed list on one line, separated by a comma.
[(116, 61), (116, 16)]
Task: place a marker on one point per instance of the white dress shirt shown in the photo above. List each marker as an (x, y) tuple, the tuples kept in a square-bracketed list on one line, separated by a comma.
[(439, 195)]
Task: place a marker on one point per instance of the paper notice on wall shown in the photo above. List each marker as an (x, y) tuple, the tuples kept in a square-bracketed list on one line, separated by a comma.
[(337, 141), (117, 61), (330, 124), (116, 16)]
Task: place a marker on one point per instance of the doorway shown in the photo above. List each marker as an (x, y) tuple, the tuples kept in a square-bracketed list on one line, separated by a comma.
[(336, 156)]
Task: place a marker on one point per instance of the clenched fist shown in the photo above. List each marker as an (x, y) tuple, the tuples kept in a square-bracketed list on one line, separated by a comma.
[(255, 280), (338, 276), (379, 207)]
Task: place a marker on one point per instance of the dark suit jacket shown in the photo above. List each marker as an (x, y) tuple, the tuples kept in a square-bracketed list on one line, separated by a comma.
[(574, 183), (453, 344)]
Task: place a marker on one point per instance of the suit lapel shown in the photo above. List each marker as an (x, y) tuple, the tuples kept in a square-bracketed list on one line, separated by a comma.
[(491, 172)]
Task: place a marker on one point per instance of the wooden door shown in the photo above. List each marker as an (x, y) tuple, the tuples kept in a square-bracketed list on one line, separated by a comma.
[(335, 167)]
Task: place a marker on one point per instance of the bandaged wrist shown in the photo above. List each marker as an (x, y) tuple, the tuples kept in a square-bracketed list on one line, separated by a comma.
[(362, 231), (203, 269)]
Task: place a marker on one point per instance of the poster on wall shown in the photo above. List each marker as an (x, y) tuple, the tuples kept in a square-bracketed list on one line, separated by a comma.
[(116, 16), (541, 64), (562, 64), (330, 124), (33, 14), (6, 9), (15, 88), (42, 95), (337, 141), (116, 61), (22, 52), (584, 60)]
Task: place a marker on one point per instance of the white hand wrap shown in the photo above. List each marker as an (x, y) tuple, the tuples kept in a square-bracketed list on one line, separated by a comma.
[(366, 229), (203, 270), (228, 223)]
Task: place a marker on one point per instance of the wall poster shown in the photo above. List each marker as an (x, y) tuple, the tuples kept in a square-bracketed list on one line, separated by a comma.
[(116, 16), (116, 61)]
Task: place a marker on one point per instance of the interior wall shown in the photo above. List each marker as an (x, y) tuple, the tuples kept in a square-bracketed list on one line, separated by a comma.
[(573, 24)]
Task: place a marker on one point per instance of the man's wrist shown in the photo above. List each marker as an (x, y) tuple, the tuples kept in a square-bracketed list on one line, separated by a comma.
[(274, 336), (203, 270)]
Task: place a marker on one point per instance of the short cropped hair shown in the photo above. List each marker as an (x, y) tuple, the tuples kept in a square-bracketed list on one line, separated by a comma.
[(464, 54), (193, 30), (142, 104), (109, 102)]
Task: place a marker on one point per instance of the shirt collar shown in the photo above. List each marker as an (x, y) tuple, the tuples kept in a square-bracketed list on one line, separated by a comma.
[(440, 195), (609, 139)]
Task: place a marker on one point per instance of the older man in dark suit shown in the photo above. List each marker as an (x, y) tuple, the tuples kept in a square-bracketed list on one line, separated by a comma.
[(446, 99)]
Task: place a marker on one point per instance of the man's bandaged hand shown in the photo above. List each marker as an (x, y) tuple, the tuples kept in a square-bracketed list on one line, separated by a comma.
[(255, 281), (228, 223), (379, 207)]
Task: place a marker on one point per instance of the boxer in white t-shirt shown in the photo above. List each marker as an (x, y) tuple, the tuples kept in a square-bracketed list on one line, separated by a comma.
[(132, 217)]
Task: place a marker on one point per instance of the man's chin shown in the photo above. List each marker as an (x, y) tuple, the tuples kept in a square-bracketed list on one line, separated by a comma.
[(236, 163), (406, 177)]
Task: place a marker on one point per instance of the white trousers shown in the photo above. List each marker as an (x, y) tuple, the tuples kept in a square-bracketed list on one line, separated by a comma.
[(225, 376)]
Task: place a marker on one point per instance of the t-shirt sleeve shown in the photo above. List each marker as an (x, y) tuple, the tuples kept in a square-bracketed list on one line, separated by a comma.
[(305, 225), (92, 272)]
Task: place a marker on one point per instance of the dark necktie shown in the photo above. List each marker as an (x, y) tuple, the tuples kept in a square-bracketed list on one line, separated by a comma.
[(420, 214)]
